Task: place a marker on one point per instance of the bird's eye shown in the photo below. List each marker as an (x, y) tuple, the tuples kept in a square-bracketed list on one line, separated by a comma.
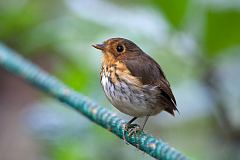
[(120, 48)]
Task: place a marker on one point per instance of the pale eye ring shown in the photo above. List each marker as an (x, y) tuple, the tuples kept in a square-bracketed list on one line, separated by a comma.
[(120, 48)]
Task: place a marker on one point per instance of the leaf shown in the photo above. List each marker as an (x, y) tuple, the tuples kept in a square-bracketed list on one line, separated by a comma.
[(222, 31), (174, 10)]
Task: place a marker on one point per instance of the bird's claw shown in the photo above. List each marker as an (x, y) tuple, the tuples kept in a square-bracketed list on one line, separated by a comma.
[(131, 126), (132, 129)]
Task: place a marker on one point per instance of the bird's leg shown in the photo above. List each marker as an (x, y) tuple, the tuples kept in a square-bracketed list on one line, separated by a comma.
[(144, 123), (137, 128), (134, 128), (129, 125)]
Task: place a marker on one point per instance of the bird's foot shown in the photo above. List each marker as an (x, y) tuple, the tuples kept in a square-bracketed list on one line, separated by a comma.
[(132, 129), (131, 126)]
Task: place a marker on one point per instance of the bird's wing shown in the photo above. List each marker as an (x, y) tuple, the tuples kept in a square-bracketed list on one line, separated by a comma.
[(149, 72)]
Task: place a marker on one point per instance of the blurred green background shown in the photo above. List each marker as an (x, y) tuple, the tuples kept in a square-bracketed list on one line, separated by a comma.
[(197, 43)]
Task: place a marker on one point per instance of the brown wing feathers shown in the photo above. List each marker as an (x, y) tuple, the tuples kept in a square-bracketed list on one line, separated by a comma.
[(149, 72)]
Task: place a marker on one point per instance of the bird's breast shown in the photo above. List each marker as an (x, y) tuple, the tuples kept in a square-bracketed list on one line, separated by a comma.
[(125, 92)]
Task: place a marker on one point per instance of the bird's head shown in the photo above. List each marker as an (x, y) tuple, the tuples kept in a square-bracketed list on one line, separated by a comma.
[(118, 48)]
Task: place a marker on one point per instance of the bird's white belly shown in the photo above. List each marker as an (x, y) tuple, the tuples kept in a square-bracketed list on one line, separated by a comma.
[(127, 98)]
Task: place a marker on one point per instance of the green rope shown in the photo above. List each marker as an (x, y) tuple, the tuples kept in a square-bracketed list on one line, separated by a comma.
[(17, 65)]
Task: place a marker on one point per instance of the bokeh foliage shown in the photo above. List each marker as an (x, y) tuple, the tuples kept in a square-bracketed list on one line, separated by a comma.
[(222, 30)]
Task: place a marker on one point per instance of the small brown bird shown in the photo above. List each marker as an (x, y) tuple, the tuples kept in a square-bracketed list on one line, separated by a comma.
[(133, 82)]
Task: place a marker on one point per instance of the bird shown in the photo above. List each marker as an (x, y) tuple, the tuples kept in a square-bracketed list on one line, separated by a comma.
[(134, 82)]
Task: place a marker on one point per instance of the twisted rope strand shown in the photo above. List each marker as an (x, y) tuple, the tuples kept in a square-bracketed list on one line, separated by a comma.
[(17, 65)]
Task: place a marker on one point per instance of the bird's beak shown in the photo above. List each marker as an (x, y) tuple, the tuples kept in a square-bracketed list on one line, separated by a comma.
[(99, 46)]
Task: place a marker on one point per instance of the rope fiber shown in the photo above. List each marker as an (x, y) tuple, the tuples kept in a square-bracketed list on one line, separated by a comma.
[(17, 65)]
